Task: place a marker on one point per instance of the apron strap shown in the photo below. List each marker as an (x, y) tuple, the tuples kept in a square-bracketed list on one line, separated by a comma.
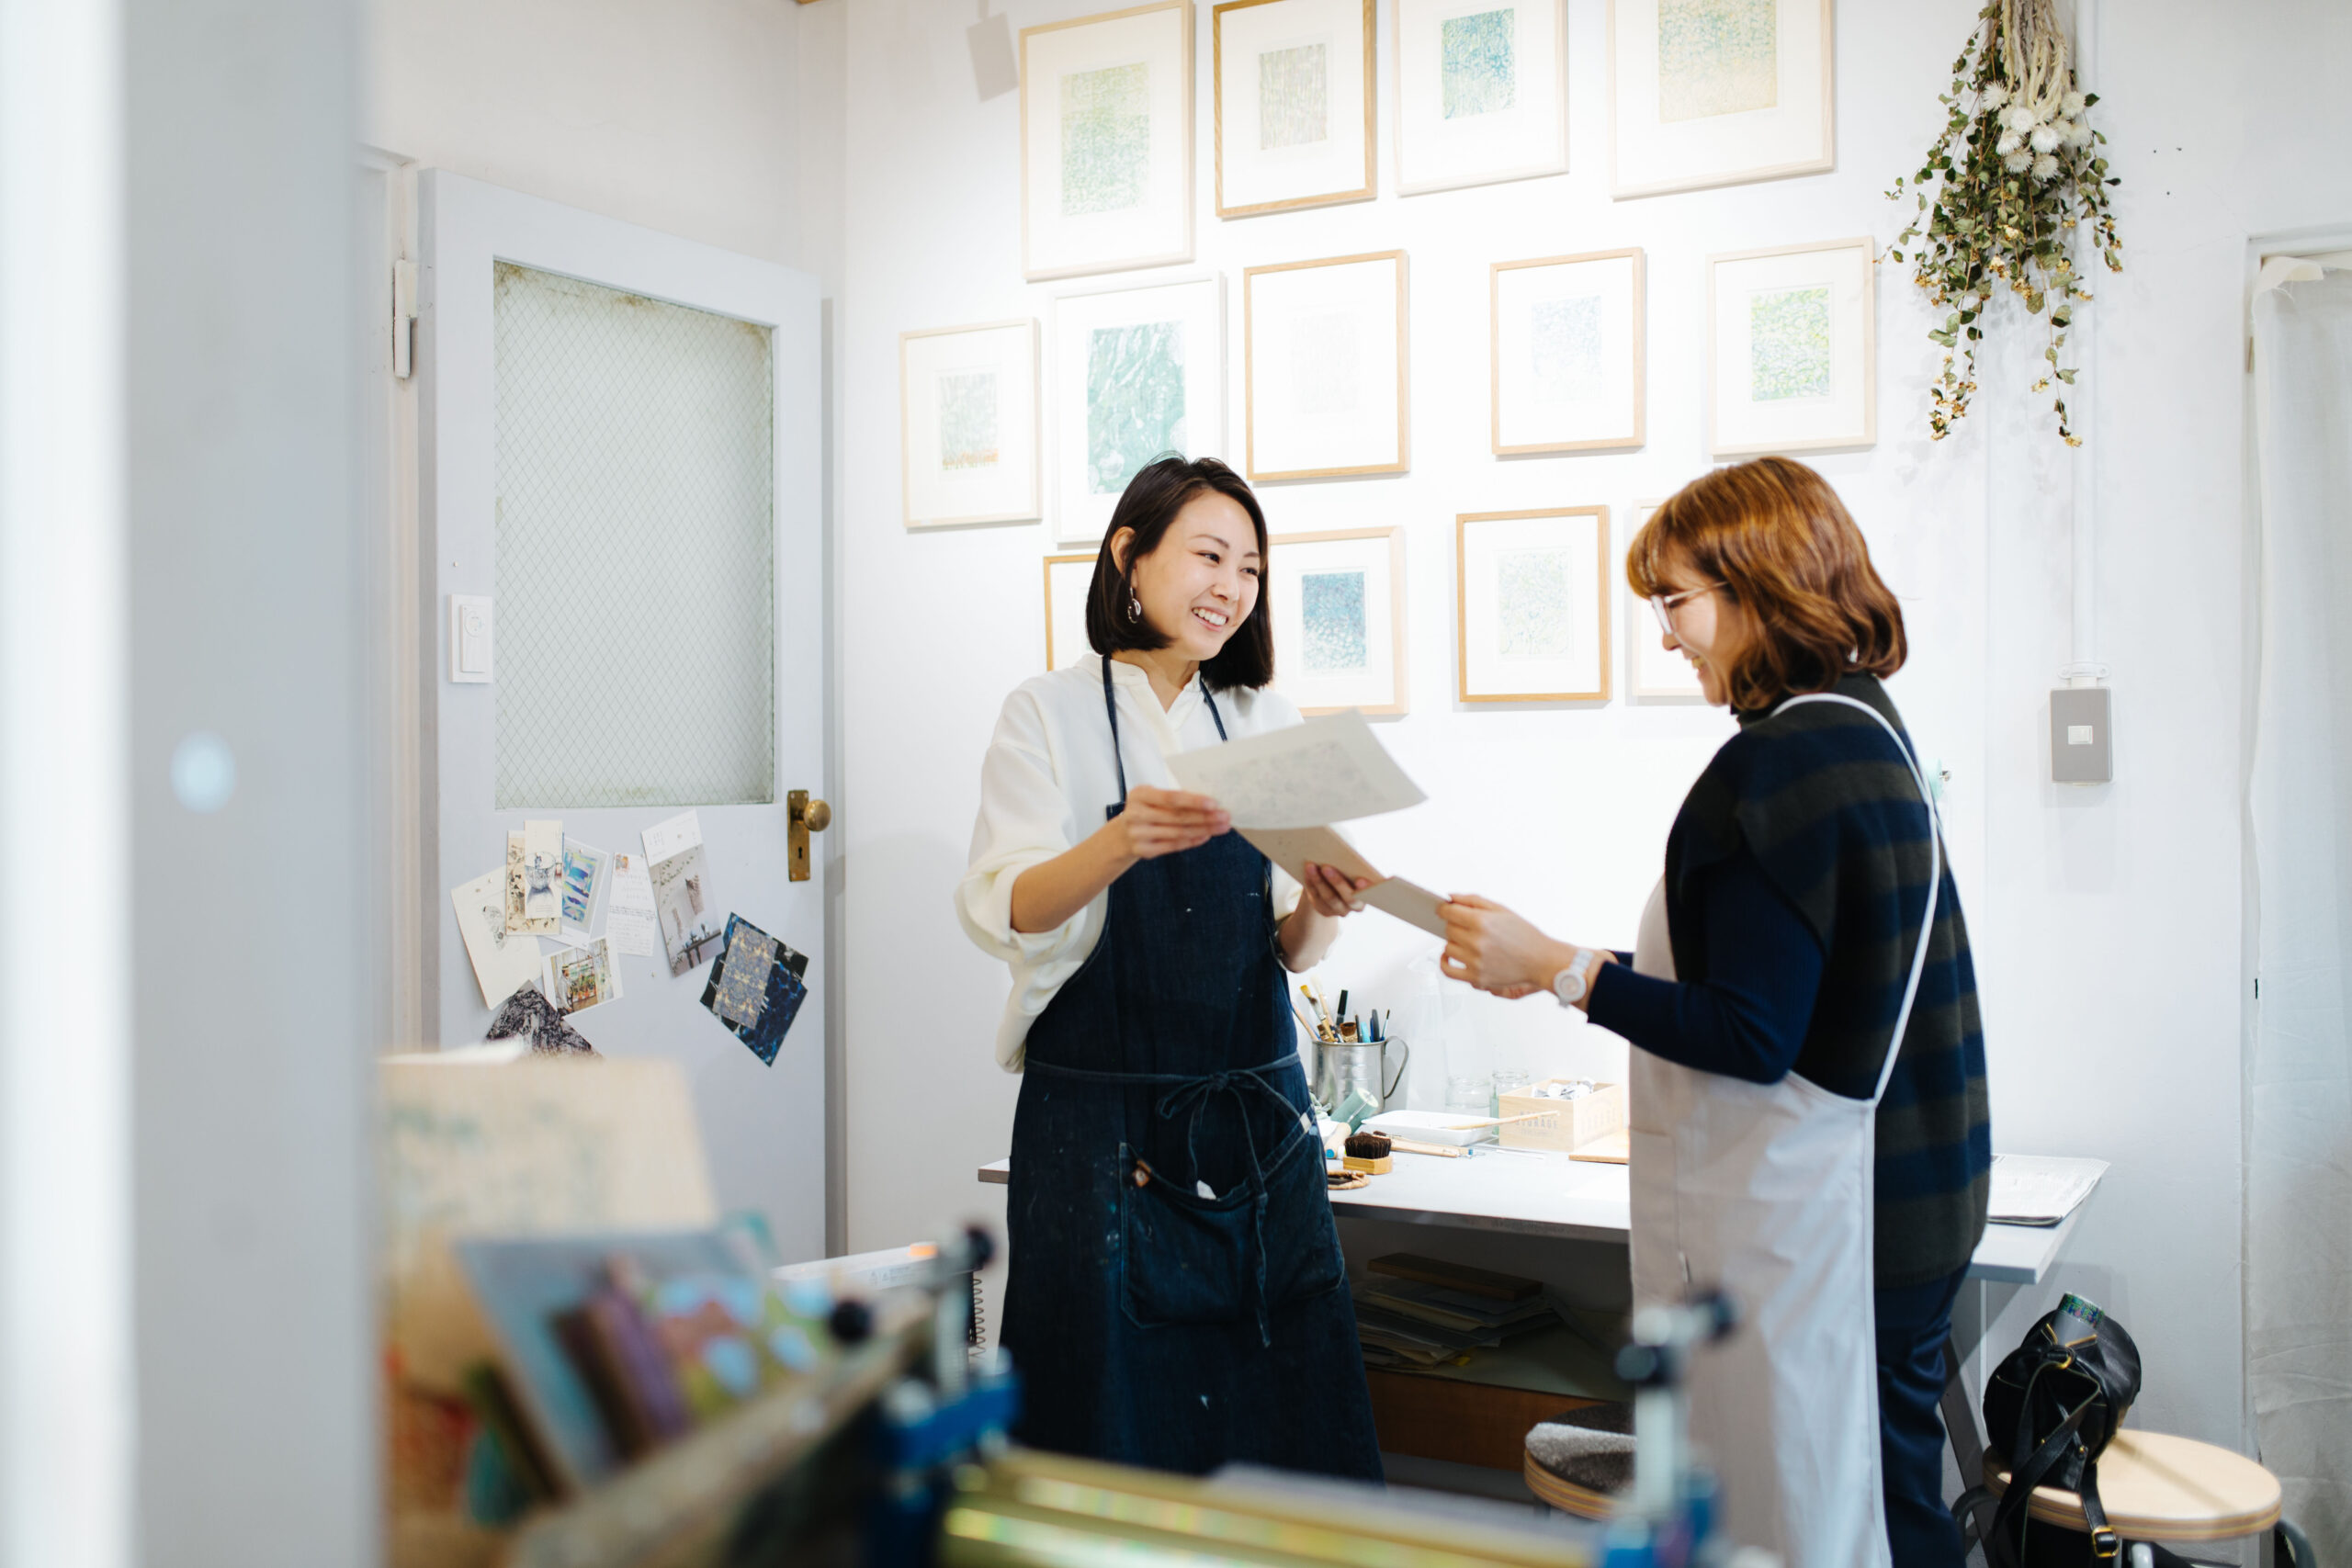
[(1111, 711), (1934, 871)]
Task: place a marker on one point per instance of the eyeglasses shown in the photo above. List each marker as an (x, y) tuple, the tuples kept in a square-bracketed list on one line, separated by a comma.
[(1664, 607)]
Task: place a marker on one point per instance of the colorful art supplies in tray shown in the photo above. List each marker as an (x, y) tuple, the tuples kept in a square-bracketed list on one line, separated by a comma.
[(756, 988)]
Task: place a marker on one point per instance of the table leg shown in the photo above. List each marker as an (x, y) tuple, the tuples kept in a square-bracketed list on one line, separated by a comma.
[(1960, 1422)]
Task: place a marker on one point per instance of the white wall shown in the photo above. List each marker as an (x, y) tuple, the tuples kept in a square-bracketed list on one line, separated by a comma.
[(2106, 921)]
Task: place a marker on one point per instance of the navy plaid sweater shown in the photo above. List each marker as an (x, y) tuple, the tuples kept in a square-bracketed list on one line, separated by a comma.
[(1796, 879)]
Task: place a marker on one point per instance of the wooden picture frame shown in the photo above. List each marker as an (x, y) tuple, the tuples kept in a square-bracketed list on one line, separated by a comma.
[(972, 388), (1068, 607), (1299, 430), (1802, 358), (1602, 399), (1652, 674), (1514, 641), (1137, 371), (1520, 133), (1354, 656), (1728, 103), (1270, 161), (1106, 142)]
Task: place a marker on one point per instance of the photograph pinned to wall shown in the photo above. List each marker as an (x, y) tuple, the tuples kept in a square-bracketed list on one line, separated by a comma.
[(756, 988), (967, 423), (1066, 579), (1792, 349), (1658, 674), (1106, 142), (1137, 373), (1565, 334), (587, 875), (503, 960), (1481, 92), (1338, 604), (1323, 368), (1530, 607), (580, 977), (682, 895), (542, 876), (1293, 98), (1718, 92)]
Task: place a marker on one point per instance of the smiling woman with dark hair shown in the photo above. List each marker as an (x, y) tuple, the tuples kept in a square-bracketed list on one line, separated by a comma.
[(1176, 1294)]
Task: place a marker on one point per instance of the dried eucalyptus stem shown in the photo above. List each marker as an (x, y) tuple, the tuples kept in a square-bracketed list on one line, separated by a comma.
[(2014, 181)]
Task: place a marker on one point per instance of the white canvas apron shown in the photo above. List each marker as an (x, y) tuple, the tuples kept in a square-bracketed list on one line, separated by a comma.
[(1765, 1191)]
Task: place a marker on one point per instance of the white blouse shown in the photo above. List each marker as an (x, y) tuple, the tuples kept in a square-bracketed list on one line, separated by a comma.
[(1046, 778)]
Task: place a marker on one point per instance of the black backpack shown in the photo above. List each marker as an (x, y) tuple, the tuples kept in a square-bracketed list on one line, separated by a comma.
[(2051, 1408)]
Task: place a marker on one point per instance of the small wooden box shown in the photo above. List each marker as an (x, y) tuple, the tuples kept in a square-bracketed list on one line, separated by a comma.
[(1561, 1125)]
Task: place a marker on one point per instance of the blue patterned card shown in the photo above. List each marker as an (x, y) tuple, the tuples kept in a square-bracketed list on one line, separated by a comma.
[(755, 987)]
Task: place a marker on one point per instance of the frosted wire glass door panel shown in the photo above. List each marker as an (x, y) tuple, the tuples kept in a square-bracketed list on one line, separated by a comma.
[(635, 550)]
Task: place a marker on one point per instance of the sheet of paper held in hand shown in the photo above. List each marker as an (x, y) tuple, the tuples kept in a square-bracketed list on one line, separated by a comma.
[(1286, 787)]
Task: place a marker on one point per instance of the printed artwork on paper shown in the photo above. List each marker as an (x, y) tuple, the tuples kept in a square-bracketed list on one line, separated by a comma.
[(1134, 399), (585, 871), (542, 876), (1323, 364), (1294, 97), (1789, 343), (1332, 611), (1565, 345), (1533, 616), (756, 988), (1106, 138), (968, 437), (1477, 72), (582, 977), (503, 960), (681, 899), (1716, 57)]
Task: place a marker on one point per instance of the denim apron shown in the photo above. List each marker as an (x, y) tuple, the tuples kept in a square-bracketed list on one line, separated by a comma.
[(1176, 1296)]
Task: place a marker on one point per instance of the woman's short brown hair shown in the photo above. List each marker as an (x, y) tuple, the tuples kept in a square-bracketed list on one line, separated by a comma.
[(1785, 547)]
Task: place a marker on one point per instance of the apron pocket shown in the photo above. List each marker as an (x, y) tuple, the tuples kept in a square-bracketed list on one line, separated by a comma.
[(1185, 1258), (1302, 1242)]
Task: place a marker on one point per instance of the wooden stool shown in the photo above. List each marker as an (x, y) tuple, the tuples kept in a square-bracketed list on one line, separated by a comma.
[(1581, 1460), (2162, 1488)]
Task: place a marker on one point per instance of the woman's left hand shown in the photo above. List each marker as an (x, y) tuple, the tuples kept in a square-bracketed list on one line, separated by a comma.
[(1491, 948), (1328, 890)]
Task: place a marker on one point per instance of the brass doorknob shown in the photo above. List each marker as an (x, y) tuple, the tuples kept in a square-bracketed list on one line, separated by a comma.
[(802, 816), (819, 816)]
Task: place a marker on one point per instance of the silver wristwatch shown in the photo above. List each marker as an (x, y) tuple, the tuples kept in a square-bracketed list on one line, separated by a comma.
[(1570, 984)]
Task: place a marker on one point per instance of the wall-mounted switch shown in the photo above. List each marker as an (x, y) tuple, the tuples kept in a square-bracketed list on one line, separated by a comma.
[(469, 640), (2080, 749)]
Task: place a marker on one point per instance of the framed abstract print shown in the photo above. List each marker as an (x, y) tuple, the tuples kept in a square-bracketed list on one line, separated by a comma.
[(1532, 605), (1718, 92), (1293, 104), (1106, 142), (1337, 602), (1565, 338), (967, 423), (1481, 92), (1066, 579), (1654, 675), (1792, 349), (1137, 372), (1323, 368)]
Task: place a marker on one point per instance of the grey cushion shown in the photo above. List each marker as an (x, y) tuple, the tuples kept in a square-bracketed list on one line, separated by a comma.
[(1591, 1447)]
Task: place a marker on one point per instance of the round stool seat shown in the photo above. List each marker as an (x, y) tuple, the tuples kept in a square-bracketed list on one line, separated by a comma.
[(1579, 1460), (2157, 1487)]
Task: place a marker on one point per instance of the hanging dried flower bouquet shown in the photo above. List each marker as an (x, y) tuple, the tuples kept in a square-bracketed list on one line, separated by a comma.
[(2009, 189)]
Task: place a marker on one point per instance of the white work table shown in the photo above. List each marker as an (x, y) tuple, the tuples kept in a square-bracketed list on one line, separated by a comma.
[(1533, 1193)]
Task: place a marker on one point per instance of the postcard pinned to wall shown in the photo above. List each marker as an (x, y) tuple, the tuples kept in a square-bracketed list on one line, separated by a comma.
[(756, 988), (631, 922), (1307, 775), (681, 899), (582, 977), (503, 962), (511, 891), (587, 875), (542, 877)]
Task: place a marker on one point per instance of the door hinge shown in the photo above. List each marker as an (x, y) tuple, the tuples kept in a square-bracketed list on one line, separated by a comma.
[(404, 318)]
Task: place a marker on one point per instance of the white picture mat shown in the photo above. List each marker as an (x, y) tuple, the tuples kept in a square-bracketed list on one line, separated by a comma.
[(1080, 513), (1315, 315), (1004, 491), (1158, 228), (1657, 674), (1337, 167), (1846, 415), (1486, 669), (1613, 413), (1067, 582), (1794, 136), (1528, 139), (1376, 686)]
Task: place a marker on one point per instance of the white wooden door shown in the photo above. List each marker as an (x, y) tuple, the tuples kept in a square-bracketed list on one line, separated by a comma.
[(617, 423)]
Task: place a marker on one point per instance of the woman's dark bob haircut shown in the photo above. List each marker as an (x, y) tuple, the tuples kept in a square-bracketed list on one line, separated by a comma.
[(1157, 493)]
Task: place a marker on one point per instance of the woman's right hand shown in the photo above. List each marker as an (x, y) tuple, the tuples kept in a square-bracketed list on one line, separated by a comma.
[(1167, 821)]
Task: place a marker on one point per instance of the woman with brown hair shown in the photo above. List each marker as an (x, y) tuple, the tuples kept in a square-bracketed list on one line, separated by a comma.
[(1808, 1104)]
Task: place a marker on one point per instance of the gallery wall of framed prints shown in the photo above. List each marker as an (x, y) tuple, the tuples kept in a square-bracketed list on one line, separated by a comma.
[(1293, 102), (1337, 602), (1792, 349), (1719, 92), (1324, 369), (1481, 92), (1532, 605), (1106, 142), (1137, 372), (967, 423), (1565, 338)]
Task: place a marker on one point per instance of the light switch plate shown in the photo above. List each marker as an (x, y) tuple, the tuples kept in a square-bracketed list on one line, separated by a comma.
[(2081, 739), (469, 638)]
